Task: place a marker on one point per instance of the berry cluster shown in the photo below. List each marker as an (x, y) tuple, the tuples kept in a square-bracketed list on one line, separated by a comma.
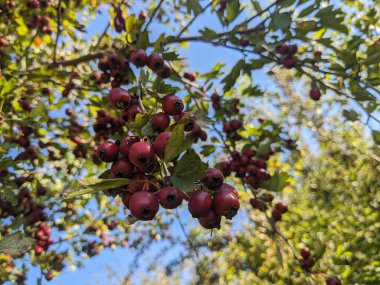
[(154, 61), (231, 129), (107, 125), (308, 261), (289, 59), (119, 21), (115, 70), (231, 107), (43, 239)]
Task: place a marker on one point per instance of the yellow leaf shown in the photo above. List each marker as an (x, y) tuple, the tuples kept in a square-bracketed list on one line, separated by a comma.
[(93, 2)]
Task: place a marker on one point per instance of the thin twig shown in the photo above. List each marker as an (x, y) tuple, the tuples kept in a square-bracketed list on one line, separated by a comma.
[(186, 235), (101, 37), (153, 15), (58, 30)]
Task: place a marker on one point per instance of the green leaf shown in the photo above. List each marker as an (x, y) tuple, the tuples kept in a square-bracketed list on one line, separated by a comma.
[(350, 115), (277, 182), (319, 250), (39, 111), (194, 5), (189, 169), (233, 10), (177, 143), (15, 244), (147, 130), (231, 78), (7, 162), (208, 149), (171, 56), (208, 34), (376, 137), (281, 21)]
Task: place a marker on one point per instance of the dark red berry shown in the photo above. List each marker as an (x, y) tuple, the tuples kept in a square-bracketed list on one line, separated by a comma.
[(227, 187), (139, 58), (200, 204), (126, 144), (159, 122), (141, 154), (189, 76), (155, 61), (305, 252), (108, 152), (213, 179), (225, 203), (33, 4), (243, 42), (143, 205), (292, 50), (125, 197), (160, 143), (281, 207), (211, 221), (170, 197), (172, 105), (289, 62), (48, 276), (164, 72), (333, 280), (315, 93), (131, 113), (122, 168), (282, 49), (235, 124), (276, 215), (309, 262), (140, 181), (119, 98)]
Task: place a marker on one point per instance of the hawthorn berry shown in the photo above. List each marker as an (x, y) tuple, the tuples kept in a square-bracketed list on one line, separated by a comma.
[(189, 76), (315, 93), (305, 252), (131, 113), (108, 152), (139, 185), (213, 179), (211, 221), (308, 262), (122, 168), (281, 207), (289, 62), (155, 61), (119, 98), (172, 105), (141, 154), (170, 197), (125, 197), (33, 4), (333, 280), (38, 250), (282, 49), (276, 215), (243, 42), (139, 58), (164, 72), (159, 122), (126, 144), (225, 203), (143, 205), (200, 204), (48, 276), (160, 143), (228, 187)]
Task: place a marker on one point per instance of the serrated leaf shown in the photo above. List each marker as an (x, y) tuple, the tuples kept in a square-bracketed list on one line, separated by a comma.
[(281, 21), (39, 111), (189, 169), (350, 115), (208, 149), (376, 137), (15, 244), (171, 56), (177, 143), (202, 119), (233, 10), (277, 182)]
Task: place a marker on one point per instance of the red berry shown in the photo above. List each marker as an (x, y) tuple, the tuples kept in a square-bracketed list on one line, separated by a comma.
[(126, 144), (305, 252), (130, 114), (139, 58), (282, 49), (119, 98), (48, 276), (244, 42), (122, 168), (227, 127), (140, 179), (235, 124), (213, 179), (107, 152), (172, 105), (142, 16), (289, 62), (143, 205), (155, 61), (333, 280), (141, 154), (190, 125), (159, 122), (226, 203), (69, 112), (200, 204), (281, 207), (38, 250), (33, 4), (211, 221), (189, 76), (228, 187), (315, 93), (292, 50), (257, 204), (160, 143), (164, 72), (276, 215), (309, 262), (170, 197)]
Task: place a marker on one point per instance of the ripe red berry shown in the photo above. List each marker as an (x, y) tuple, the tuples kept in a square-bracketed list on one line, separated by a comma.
[(315, 93), (160, 143), (33, 4), (122, 168), (142, 15), (130, 114), (228, 187), (155, 61), (309, 262), (292, 50), (276, 215), (282, 49), (119, 98), (281, 207), (69, 112), (172, 105), (143, 205), (333, 280), (227, 127), (48, 276), (213, 179), (189, 76), (107, 152), (305, 252), (38, 250), (211, 221), (170, 197), (289, 62), (164, 72), (225, 203), (125, 197), (139, 58), (159, 122), (126, 144), (141, 154), (190, 125), (200, 204), (243, 42), (140, 179)]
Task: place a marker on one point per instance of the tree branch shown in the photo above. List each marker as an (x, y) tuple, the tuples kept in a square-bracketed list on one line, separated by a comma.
[(58, 31), (153, 15)]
